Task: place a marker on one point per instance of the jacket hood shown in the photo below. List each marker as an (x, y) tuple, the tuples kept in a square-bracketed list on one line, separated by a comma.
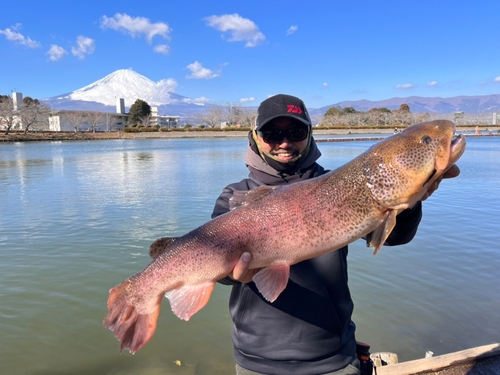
[(271, 172)]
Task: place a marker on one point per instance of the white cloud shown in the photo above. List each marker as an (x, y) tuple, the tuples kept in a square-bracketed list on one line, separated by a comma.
[(199, 72), (84, 46), (56, 52), (497, 79), (16, 37), (292, 29), (200, 101), (241, 29), (161, 48), (432, 83), (166, 85), (247, 100), (405, 86), (136, 26), (325, 84)]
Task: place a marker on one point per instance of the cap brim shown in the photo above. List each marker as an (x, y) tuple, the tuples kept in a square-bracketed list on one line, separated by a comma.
[(302, 120)]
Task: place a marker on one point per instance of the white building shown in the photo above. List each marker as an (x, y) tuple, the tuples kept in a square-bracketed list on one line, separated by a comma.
[(73, 120), (68, 120), (163, 120)]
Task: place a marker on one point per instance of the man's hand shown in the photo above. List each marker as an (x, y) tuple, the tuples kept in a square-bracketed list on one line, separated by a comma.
[(241, 272), (452, 172)]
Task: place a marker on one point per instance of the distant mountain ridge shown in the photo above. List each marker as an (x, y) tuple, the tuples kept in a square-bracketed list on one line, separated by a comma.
[(129, 85), (467, 104)]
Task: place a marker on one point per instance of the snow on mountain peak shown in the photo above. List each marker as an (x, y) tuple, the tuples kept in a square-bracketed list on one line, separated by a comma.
[(129, 85)]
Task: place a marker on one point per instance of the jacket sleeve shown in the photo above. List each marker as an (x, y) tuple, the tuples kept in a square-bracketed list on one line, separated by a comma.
[(406, 226), (222, 203)]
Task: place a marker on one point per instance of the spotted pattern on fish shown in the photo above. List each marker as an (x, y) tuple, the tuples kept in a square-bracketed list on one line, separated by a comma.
[(284, 225)]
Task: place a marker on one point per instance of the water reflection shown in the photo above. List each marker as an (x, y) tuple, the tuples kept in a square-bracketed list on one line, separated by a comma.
[(80, 220)]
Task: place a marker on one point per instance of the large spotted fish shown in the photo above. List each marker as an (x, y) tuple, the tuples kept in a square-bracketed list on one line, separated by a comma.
[(284, 225)]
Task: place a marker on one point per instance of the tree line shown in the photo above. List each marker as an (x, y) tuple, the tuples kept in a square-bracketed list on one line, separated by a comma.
[(26, 115), (402, 117), (35, 115)]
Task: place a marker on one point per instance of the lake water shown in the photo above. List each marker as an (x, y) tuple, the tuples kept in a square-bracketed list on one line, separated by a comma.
[(77, 218)]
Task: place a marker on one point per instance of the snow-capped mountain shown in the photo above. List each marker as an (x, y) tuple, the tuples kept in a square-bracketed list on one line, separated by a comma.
[(129, 85)]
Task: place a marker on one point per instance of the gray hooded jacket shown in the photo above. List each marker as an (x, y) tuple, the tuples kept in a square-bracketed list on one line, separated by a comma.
[(308, 329)]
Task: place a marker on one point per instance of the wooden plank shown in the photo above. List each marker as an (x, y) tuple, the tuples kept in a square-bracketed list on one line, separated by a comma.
[(439, 362)]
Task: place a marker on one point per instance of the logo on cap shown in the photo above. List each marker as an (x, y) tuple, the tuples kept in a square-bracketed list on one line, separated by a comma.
[(294, 109)]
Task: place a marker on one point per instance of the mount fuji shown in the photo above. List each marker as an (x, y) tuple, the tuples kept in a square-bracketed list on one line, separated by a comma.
[(102, 95), (129, 85)]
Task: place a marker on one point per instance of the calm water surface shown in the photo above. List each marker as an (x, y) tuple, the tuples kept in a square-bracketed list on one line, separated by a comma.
[(77, 218)]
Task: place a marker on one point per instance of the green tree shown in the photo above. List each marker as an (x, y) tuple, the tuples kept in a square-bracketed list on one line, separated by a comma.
[(404, 108), (347, 110), (333, 111), (337, 111), (28, 100), (138, 110)]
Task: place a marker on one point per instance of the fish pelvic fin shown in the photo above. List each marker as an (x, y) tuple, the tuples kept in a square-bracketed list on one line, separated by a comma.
[(131, 328), (159, 246), (246, 198), (188, 300), (377, 238), (272, 280)]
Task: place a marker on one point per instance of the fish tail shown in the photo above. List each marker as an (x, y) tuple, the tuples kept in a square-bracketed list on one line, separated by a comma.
[(131, 328)]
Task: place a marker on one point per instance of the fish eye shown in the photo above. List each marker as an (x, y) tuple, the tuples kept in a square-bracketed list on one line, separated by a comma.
[(426, 140)]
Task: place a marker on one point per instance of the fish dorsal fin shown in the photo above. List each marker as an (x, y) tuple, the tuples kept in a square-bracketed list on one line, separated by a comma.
[(377, 238), (188, 300), (159, 246), (245, 198), (272, 280)]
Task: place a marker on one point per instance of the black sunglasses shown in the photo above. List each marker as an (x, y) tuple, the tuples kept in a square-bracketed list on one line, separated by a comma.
[(275, 136)]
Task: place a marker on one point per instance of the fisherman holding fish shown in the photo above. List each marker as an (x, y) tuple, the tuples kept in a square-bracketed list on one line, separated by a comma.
[(308, 329), (280, 238)]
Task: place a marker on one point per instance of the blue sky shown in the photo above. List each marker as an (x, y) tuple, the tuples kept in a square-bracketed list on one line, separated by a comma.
[(243, 51)]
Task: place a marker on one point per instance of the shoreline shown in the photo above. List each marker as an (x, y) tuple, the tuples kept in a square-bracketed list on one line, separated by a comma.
[(88, 136)]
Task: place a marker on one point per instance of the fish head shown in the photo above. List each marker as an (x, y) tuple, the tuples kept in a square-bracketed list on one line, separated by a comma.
[(401, 168)]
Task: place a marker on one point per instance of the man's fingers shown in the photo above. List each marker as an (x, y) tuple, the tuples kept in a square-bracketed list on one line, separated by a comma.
[(452, 172), (241, 268)]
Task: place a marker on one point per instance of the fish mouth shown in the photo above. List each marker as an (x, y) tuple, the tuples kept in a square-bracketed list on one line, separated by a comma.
[(457, 148)]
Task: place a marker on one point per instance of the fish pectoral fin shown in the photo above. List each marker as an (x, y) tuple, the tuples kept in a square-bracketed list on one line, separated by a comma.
[(188, 300), (272, 280), (159, 246), (246, 198), (379, 235)]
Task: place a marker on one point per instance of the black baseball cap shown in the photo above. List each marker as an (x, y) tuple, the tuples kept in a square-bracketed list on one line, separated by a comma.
[(281, 105)]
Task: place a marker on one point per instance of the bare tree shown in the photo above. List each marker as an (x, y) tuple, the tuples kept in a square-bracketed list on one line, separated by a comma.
[(9, 117), (95, 119), (111, 121), (234, 113), (213, 116), (146, 120), (75, 118), (33, 114), (247, 117)]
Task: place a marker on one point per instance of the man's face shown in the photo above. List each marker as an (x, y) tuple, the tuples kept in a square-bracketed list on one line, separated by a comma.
[(286, 149)]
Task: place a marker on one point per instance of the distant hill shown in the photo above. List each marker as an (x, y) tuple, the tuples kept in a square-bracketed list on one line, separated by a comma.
[(467, 104), (129, 85)]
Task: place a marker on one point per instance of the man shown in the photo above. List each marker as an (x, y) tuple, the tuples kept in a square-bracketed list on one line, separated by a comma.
[(308, 329)]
